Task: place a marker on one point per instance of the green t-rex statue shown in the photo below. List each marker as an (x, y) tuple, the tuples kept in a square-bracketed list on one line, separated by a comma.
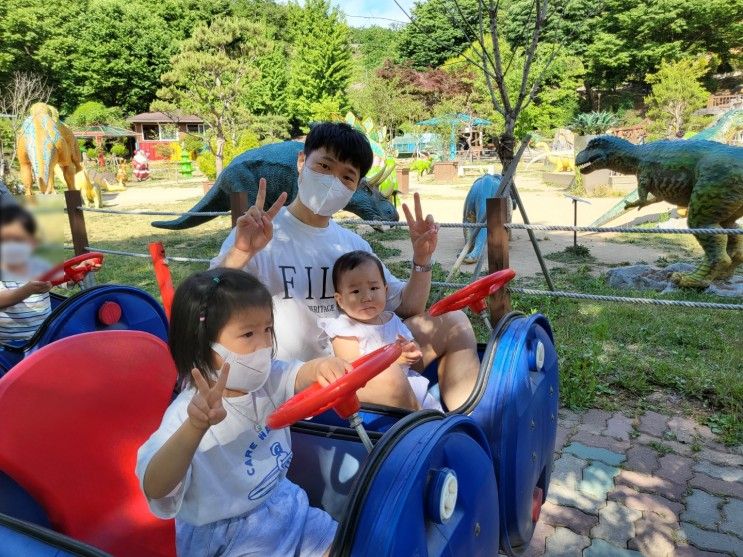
[(705, 176)]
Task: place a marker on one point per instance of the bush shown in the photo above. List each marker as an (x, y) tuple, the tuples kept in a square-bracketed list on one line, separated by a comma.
[(164, 151), (421, 166), (207, 161), (119, 149), (593, 123), (92, 153)]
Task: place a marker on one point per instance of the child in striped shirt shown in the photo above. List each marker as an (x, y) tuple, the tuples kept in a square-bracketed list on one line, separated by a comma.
[(24, 301)]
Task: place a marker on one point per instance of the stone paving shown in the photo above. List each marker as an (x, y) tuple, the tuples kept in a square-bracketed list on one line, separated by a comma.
[(657, 486)]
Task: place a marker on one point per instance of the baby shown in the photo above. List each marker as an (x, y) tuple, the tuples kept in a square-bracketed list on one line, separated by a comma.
[(363, 326)]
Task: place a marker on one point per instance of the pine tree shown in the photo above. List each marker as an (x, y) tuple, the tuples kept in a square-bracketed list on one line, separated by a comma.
[(321, 64)]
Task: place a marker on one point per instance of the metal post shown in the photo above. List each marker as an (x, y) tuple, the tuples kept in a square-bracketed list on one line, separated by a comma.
[(238, 205), (74, 200), (532, 237), (575, 223), (497, 214)]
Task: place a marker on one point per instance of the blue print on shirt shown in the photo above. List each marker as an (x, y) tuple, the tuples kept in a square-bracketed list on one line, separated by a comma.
[(283, 459)]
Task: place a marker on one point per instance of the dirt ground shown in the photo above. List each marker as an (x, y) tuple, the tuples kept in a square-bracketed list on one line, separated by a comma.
[(544, 204)]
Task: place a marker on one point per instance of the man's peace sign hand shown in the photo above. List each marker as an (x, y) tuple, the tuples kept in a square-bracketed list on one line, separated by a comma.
[(424, 233), (205, 408), (254, 229)]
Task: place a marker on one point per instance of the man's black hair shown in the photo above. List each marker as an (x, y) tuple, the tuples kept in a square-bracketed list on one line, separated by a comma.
[(202, 306), (342, 141), (15, 213), (349, 261)]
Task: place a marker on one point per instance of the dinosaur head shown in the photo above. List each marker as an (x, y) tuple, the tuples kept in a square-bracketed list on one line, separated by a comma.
[(369, 204), (605, 151)]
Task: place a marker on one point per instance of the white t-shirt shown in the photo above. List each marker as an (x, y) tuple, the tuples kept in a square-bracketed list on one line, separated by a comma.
[(238, 462), (298, 262), (22, 320)]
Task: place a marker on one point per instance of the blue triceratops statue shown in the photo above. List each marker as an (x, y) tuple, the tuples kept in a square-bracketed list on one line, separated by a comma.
[(474, 211), (277, 163)]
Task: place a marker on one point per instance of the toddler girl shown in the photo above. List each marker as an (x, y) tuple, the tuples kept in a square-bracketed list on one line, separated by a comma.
[(363, 326), (24, 301), (213, 464)]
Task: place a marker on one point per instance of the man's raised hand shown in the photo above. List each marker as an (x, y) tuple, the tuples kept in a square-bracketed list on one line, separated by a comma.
[(254, 229), (205, 408), (424, 233)]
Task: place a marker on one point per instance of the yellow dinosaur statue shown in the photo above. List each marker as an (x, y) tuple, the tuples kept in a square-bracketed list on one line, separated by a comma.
[(91, 193), (42, 143), (562, 163)]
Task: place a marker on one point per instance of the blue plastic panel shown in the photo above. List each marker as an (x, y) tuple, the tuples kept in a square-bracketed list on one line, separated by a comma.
[(518, 413), (395, 518)]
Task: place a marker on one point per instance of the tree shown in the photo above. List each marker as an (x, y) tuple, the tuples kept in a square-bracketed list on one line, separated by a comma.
[(114, 54), (92, 113), (320, 68), (433, 36), (430, 87), (23, 90), (676, 93), (387, 101), (374, 45), (212, 74)]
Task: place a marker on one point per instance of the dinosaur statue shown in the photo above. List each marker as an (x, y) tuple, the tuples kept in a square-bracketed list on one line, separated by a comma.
[(42, 143), (705, 176), (722, 130), (562, 161), (277, 163), (474, 211), (91, 192)]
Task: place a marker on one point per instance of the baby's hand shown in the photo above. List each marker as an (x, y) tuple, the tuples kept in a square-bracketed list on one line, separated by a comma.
[(331, 369), (411, 353), (37, 287), (205, 408)]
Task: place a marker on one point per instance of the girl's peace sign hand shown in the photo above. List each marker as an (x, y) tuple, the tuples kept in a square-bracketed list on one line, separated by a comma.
[(205, 408), (254, 229)]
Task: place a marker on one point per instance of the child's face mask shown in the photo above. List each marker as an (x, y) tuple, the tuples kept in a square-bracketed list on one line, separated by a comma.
[(323, 194), (248, 372), (13, 252)]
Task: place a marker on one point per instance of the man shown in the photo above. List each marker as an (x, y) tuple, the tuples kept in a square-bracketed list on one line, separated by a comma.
[(292, 251)]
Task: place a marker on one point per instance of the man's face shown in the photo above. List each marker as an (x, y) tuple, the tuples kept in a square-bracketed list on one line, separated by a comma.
[(324, 162)]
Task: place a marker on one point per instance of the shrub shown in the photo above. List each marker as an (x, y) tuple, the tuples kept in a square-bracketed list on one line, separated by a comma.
[(119, 149), (593, 123), (164, 151), (207, 161), (421, 166)]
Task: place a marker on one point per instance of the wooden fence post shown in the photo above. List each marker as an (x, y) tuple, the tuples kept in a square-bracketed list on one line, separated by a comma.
[(74, 200), (497, 216), (238, 205)]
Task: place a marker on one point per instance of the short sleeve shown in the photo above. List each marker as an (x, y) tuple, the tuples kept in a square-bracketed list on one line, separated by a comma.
[(281, 383), (253, 267), (175, 415), (339, 326)]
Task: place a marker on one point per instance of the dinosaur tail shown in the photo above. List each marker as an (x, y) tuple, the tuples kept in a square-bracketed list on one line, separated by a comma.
[(617, 211), (214, 200)]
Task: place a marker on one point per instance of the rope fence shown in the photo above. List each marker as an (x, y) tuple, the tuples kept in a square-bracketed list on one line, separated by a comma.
[(497, 246)]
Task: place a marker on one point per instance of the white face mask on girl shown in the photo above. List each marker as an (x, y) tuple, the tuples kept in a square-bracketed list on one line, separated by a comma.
[(15, 253), (323, 194), (248, 372)]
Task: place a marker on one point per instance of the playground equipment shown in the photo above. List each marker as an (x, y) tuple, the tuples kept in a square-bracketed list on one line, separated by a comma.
[(705, 176), (105, 307), (463, 483), (42, 143)]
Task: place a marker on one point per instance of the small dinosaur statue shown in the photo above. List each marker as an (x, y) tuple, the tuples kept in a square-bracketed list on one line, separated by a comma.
[(705, 176)]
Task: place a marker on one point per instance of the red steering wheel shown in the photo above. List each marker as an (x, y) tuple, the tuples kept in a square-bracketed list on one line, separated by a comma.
[(73, 269), (339, 395), (473, 295)]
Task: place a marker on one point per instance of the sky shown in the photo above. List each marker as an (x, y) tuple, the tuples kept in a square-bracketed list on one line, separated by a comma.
[(362, 13)]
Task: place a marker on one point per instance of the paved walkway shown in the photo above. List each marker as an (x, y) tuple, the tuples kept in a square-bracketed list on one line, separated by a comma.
[(657, 486)]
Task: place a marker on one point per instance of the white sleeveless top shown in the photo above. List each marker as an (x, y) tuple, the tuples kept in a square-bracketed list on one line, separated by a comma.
[(373, 336)]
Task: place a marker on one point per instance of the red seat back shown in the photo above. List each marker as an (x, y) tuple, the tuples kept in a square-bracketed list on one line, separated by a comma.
[(72, 417)]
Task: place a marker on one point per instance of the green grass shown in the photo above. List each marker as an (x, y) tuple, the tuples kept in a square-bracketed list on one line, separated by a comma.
[(613, 356)]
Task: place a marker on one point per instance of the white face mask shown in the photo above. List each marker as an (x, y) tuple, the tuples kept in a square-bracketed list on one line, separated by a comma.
[(248, 372), (323, 194), (15, 253)]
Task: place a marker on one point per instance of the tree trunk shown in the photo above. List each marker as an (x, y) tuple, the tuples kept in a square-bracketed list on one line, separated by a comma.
[(219, 155), (589, 95)]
